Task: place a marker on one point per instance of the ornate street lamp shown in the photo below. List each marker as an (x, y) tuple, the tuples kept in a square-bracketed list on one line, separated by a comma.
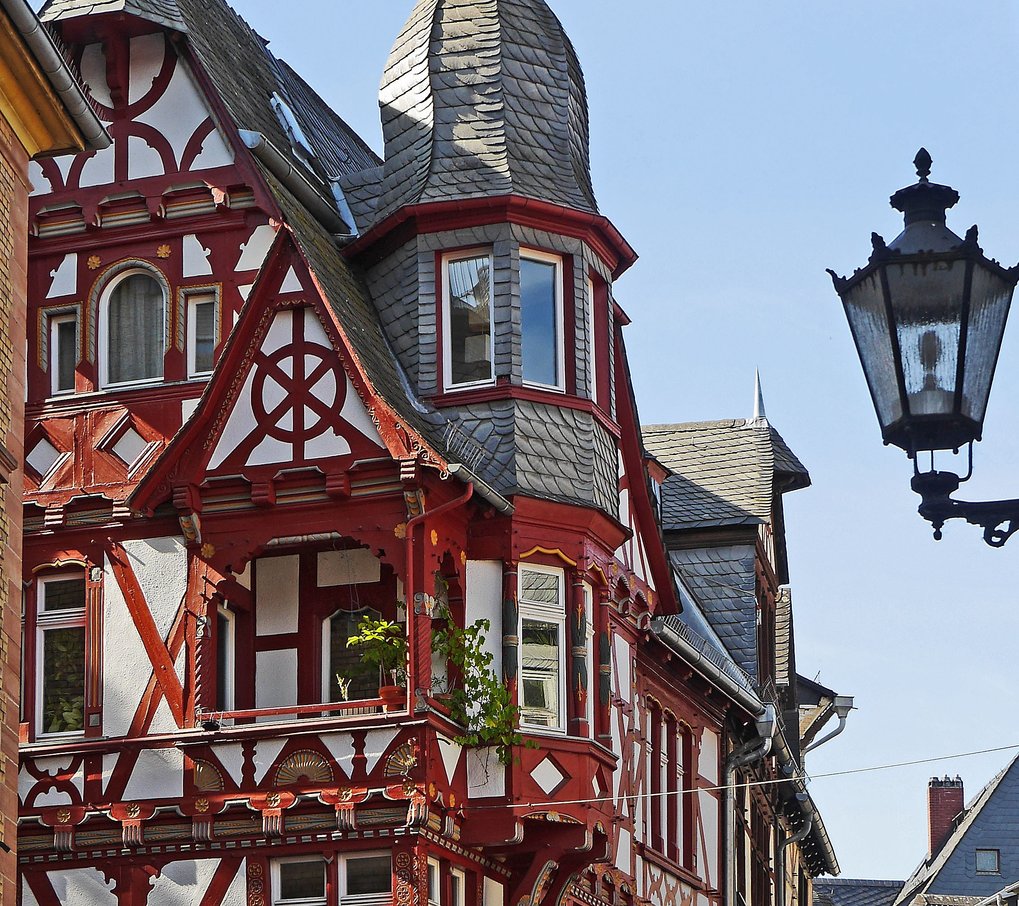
[(928, 315)]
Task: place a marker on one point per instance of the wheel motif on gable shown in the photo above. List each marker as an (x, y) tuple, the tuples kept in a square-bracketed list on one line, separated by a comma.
[(312, 396)]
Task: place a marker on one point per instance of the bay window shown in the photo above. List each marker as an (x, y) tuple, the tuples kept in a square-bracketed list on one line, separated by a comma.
[(541, 319), (60, 654), (132, 329), (467, 319), (542, 607)]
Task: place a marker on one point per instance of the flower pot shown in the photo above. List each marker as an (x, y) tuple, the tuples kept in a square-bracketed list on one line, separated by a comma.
[(394, 698)]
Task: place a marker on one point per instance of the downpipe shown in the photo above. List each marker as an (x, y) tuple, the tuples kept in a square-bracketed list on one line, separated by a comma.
[(748, 753), (798, 837)]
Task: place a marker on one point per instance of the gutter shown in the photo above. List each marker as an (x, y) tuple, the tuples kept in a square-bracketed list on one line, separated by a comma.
[(482, 488), (777, 744), (695, 657), (284, 169), (57, 73)]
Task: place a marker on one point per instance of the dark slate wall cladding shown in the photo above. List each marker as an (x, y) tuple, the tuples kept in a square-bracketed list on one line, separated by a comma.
[(491, 425), (393, 284), (563, 454)]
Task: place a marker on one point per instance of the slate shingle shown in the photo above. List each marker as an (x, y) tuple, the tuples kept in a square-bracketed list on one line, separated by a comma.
[(162, 12), (724, 471)]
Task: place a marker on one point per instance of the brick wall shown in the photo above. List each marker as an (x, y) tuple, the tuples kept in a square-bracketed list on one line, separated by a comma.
[(13, 317)]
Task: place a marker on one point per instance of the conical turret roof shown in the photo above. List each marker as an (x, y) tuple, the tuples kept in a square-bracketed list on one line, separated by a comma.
[(484, 99)]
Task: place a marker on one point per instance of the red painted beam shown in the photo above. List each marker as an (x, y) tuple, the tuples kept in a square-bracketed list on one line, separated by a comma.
[(162, 664)]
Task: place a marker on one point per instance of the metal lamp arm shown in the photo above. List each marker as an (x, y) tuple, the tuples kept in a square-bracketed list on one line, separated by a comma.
[(937, 506)]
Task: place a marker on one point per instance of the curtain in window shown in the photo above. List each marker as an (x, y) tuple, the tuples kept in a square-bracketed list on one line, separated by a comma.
[(135, 320)]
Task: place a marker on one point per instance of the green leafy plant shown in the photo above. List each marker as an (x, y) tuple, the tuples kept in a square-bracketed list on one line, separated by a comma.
[(480, 702), (383, 646)]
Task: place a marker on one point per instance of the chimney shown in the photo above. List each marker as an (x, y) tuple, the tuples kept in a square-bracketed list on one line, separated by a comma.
[(945, 799)]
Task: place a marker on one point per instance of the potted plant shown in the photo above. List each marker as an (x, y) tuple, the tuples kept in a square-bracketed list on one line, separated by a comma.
[(382, 646)]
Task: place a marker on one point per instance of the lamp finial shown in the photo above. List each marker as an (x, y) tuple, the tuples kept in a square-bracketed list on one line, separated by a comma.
[(923, 162)]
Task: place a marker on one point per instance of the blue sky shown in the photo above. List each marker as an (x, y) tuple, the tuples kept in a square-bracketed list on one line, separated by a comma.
[(742, 148)]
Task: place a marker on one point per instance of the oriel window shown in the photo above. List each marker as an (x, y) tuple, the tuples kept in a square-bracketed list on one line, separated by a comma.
[(541, 319), (467, 321)]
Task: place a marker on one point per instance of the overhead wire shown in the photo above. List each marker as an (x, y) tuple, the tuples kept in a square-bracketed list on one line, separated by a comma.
[(771, 781)]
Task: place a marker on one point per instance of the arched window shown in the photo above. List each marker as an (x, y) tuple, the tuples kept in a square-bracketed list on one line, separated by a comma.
[(132, 325)]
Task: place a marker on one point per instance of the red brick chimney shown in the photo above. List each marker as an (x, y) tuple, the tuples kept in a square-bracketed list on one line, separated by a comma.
[(945, 799)]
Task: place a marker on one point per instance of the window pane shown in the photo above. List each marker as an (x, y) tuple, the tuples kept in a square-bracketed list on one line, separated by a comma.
[(301, 880), (470, 316), (540, 660), (987, 861), (65, 356), (540, 588), (371, 874), (224, 661), (135, 350), (204, 314), (63, 680), (539, 343), (433, 882), (349, 679), (63, 594)]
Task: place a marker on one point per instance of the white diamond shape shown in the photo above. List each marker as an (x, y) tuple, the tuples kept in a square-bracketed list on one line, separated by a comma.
[(43, 456), (547, 775), (130, 446)]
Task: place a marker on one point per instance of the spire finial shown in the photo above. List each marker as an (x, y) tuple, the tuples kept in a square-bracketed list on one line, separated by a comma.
[(922, 162), (760, 415)]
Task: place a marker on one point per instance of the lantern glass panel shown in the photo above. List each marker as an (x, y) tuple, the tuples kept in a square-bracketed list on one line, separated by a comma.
[(927, 301), (865, 310), (990, 299)]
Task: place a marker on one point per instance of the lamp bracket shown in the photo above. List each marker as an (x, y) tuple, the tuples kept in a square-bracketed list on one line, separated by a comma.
[(937, 506)]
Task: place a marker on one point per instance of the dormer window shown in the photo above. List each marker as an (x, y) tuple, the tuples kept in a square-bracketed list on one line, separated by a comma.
[(132, 329), (467, 320), (541, 319)]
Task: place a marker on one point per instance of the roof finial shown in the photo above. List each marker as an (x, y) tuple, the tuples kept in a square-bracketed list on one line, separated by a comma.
[(923, 162), (760, 415)]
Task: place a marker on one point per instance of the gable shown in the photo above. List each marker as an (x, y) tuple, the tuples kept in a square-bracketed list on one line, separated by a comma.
[(296, 405), (160, 122)]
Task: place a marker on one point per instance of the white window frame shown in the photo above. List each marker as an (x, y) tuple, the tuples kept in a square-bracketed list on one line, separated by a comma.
[(997, 860), (230, 668), (527, 254), (592, 351), (447, 320), (303, 901), (363, 899), (58, 619), (545, 614), (194, 299), (53, 348), (104, 329), (461, 877), (434, 890)]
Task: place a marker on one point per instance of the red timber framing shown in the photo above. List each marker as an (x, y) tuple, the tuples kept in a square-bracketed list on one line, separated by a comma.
[(251, 491)]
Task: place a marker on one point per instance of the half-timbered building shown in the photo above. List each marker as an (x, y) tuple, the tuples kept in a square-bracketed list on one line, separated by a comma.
[(279, 385)]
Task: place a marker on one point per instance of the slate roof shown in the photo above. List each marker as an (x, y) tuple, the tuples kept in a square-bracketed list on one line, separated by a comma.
[(725, 472), (484, 99), (990, 821), (855, 892), (162, 12), (724, 580)]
